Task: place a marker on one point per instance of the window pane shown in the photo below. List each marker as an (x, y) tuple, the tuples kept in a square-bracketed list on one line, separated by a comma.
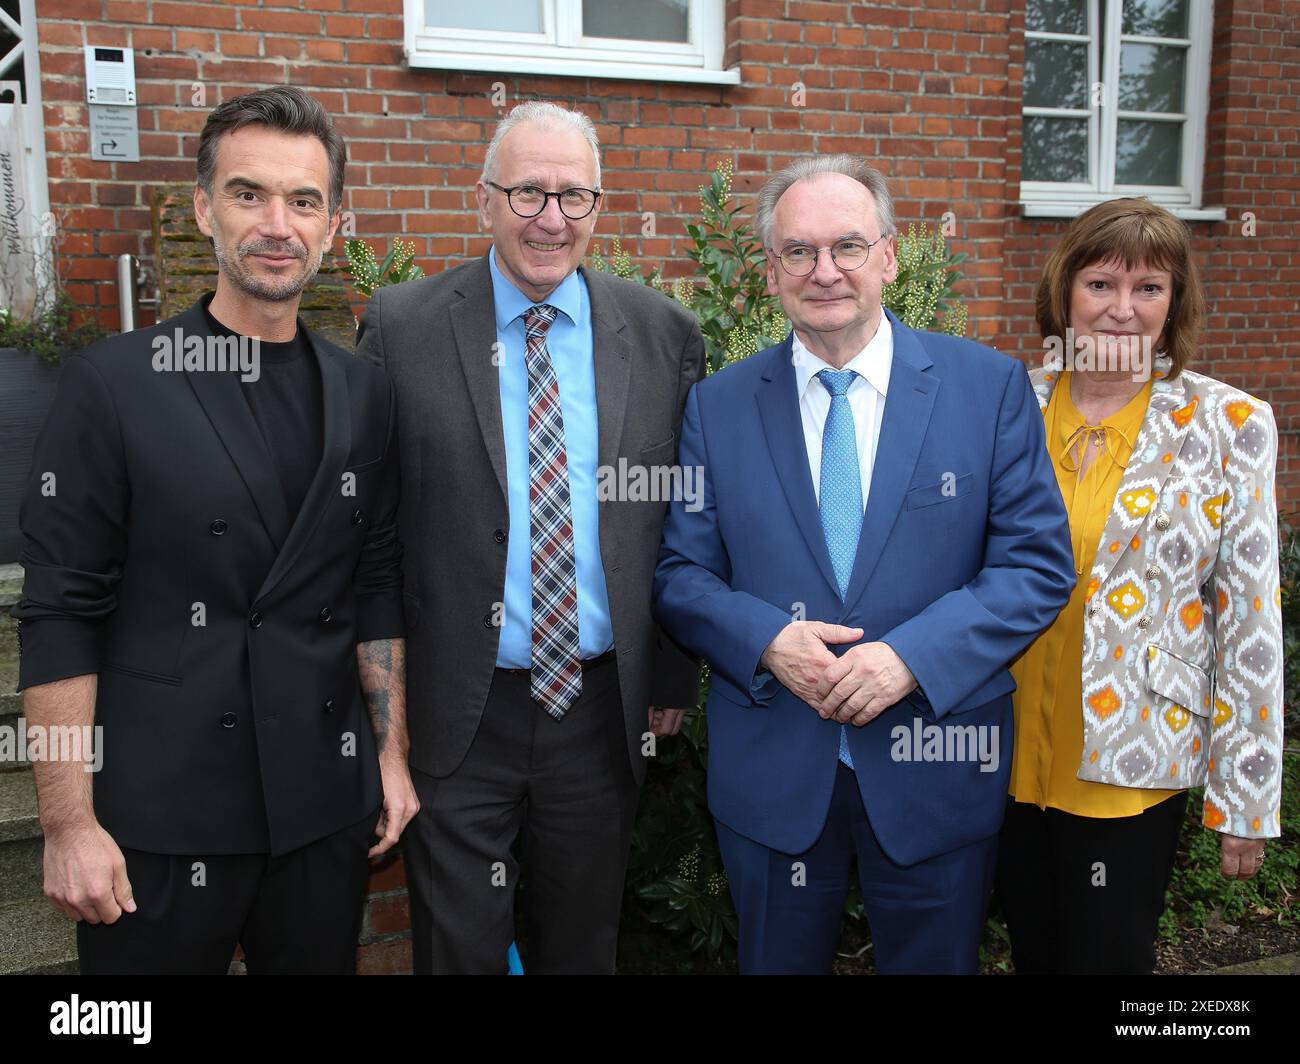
[(1148, 153), (1056, 74), (1057, 16), (514, 16), (1151, 77), (636, 20), (1155, 18), (1056, 149)]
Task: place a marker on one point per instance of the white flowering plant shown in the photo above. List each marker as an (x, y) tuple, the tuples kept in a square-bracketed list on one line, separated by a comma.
[(368, 273)]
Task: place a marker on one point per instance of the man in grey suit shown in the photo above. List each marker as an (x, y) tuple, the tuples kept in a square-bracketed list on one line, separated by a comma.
[(530, 391)]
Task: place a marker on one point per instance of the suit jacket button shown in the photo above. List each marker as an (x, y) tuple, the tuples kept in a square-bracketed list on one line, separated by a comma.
[(488, 621), (228, 720), (1162, 522), (218, 527), (1144, 622), (356, 517), (255, 620), (499, 535), (329, 705), (326, 615), (1153, 573)]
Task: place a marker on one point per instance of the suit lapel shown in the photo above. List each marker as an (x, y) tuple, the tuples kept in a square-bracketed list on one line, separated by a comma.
[(473, 322), (227, 410), (611, 352), (1159, 441), (778, 405), (334, 455), (908, 407)]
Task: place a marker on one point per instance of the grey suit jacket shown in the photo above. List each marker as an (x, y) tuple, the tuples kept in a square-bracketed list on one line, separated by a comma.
[(435, 338)]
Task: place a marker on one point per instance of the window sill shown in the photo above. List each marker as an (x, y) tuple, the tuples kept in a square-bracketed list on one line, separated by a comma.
[(1061, 209), (571, 68)]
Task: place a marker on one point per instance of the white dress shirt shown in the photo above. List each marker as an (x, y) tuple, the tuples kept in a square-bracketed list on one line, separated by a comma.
[(866, 397)]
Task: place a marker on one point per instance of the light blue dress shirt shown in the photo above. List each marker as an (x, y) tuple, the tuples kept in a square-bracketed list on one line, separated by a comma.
[(569, 342)]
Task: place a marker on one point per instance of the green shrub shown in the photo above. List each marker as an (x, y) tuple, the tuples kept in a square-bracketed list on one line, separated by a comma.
[(1290, 568), (675, 875), (1199, 895), (50, 332)]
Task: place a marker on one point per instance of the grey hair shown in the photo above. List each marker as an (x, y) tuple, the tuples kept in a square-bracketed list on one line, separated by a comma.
[(813, 165), (549, 116)]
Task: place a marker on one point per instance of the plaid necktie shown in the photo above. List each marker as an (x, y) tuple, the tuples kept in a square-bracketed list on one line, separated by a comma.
[(556, 680)]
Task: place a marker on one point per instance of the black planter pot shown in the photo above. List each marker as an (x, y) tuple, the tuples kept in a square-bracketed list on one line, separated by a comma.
[(27, 385)]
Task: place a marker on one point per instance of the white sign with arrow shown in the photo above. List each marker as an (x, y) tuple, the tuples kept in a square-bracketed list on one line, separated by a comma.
[(114, 133)]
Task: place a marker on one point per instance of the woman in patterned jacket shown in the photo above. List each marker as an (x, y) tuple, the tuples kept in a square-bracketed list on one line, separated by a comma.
[(1164, 671)]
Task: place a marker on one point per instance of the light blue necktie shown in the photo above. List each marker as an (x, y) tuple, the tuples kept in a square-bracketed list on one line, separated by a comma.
[(840, 499)]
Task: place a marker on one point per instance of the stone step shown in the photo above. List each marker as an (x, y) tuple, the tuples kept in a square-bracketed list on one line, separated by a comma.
[(11, 584), (36, 939), (8, 653), (21, 874), (18, 808), (20, 839), (11, 704), (1283, 964), (11, 708)]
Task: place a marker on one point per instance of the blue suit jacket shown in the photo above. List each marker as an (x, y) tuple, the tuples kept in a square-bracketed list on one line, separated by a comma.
[(964, 558)]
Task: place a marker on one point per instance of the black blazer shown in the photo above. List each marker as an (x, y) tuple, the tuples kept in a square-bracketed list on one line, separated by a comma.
[(153, 505)]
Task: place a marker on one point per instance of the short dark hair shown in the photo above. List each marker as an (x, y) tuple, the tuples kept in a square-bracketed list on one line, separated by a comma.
[(283, 108)]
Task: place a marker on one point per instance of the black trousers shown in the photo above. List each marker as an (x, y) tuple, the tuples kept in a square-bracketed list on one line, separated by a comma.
[(555, 797), (1083, 895), (299, 913)]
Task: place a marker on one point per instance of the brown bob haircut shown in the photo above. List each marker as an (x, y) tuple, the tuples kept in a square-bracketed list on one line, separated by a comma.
[(1137, 233)]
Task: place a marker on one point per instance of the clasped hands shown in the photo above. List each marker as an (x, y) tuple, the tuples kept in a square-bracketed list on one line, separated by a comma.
[(851, 689)]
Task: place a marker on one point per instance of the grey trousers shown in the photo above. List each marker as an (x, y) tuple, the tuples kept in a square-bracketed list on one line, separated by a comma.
[(551, 800)]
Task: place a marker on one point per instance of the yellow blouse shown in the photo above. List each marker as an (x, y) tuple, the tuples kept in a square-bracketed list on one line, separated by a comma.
[(1049, 696)]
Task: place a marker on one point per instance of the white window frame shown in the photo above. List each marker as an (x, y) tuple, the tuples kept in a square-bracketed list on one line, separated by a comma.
[(562, 49), (1060, 199)]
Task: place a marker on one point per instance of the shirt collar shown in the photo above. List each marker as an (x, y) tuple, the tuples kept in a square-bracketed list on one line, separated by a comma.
[(509, 303), (872, 363)]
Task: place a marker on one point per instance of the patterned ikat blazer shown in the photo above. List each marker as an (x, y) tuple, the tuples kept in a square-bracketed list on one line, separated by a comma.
[(1182, 650)]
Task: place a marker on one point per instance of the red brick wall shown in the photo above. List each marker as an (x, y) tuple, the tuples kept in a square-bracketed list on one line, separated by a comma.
[(930, 94)]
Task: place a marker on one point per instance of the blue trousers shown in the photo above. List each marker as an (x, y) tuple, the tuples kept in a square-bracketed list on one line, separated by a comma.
[(924, 918)]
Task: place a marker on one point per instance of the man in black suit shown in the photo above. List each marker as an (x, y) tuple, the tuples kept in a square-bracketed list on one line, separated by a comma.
[(532, 395), (213, 576)]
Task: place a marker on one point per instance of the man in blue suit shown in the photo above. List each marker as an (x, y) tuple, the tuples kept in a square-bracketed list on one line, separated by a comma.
[(859, 699)]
